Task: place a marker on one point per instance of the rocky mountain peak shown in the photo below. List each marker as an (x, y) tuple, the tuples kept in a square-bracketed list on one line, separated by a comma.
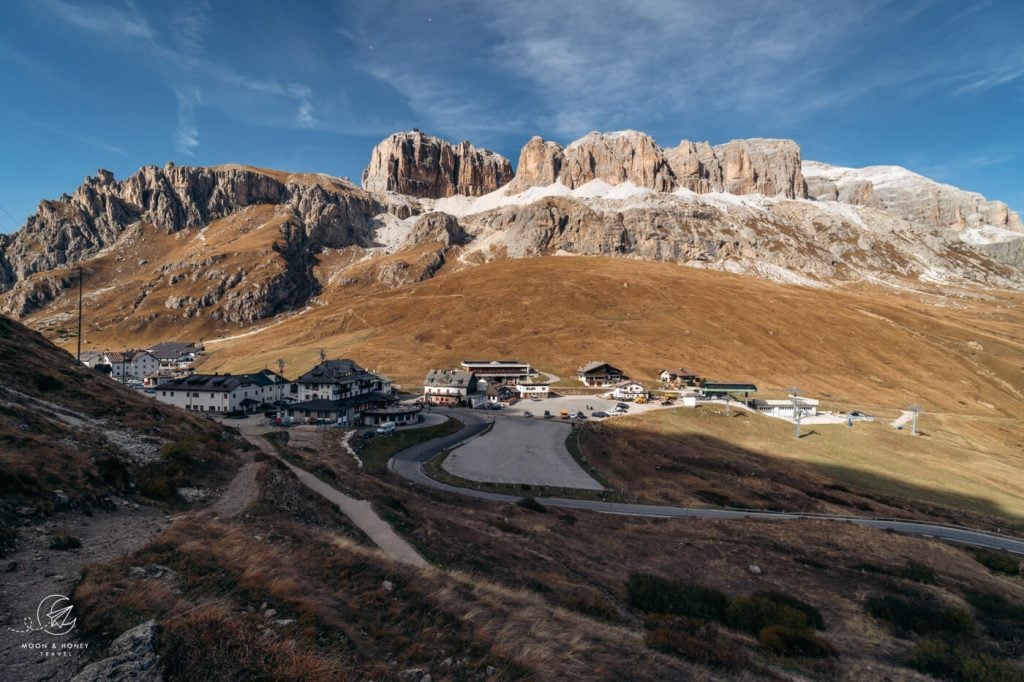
[(421, 165), (755, 166), (615, 158)]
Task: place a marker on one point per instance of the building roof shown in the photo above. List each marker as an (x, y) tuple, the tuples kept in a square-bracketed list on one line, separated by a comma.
[(623, 384), (172, 350), (787, 402), (449, 378), (591, 366), (727, 387), (681, 372), (332, 372), (493, 363), (216, 382)]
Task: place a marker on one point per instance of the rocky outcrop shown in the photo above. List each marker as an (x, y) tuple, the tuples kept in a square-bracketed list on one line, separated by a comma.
[(172, 198), (756, 166), (540, 164), (436, 227), (421, 165), (132, 657), (615, 158), (695, 167), (913, 197), (760, 166)]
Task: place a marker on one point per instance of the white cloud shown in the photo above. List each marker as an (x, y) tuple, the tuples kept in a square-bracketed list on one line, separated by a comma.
[(104, 19), (186, 137)]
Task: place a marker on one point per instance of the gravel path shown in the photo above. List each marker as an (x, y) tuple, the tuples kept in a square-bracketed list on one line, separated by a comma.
[(360, 512)]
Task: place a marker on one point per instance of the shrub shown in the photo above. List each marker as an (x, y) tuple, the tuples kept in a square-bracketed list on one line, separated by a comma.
[(812, 614), (783, 640), (918, 613), (961, 662), (182, 452), (532, 504), (998, 561), (159, 481), (655, 594), (62, 541), (1003, 619), (693, 640), (917, 571), (753, 614)]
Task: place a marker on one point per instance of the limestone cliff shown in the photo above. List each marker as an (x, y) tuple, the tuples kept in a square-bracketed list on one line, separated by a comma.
[(627, 156), (420, 165), (756, 166)]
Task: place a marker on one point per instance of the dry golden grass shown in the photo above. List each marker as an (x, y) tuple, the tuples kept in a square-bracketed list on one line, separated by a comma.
[(678, 455), (542, 562), (870, 349)]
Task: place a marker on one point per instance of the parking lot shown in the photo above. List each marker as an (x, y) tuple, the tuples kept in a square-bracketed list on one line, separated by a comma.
[(573, 403), (515, 451)]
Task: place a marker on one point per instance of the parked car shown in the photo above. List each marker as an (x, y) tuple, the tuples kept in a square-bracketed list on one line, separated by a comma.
[(621, 406), (386, 428), (547, 414), (599, 415), (580, 415), (527, 413)]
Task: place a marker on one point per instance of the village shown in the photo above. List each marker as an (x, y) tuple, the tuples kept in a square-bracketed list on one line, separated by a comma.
[(340, 392)]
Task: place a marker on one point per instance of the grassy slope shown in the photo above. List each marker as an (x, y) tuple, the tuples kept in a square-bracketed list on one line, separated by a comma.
[(66, 443), (874, 350), (687, 456), (580, 562)]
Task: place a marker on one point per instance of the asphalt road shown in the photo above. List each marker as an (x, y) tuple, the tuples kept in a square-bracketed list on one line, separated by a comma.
[(409, 464)]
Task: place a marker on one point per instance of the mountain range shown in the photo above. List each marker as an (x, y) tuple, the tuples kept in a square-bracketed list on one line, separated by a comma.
[(235, 244)]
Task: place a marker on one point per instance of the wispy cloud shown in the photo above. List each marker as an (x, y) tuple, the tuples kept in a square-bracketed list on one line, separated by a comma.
[(86, 140), (186, 137), (176, 46), (104, 19), (574, 67)]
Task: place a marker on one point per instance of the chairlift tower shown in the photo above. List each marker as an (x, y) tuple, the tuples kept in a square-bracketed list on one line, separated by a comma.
[(915, 410), (323, 356), (794, 394)]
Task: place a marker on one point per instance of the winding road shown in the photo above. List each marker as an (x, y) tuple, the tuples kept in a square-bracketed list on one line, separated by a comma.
[(409, 464)]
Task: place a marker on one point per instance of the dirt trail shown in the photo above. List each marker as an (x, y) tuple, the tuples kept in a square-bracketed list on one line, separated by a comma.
[(241, 492), (39, 571), (360, 512)]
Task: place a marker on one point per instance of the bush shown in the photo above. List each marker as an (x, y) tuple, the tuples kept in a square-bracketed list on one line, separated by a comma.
[(693, 640), (1003, 619), (812, 614), (753, 614), (783, 640), (998, 561), (917, 571), (654, 594), (182, 452), (159, 481), (63, 541), (961, 662), (532, 504), (918, 613)]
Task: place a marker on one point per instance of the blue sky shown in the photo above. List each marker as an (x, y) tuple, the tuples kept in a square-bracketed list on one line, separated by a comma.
[(935, 86)]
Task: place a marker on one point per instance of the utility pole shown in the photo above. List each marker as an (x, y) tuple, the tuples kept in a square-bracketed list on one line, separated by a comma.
[(78, 357), (794, 393), (323, 356), (916, 410)]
